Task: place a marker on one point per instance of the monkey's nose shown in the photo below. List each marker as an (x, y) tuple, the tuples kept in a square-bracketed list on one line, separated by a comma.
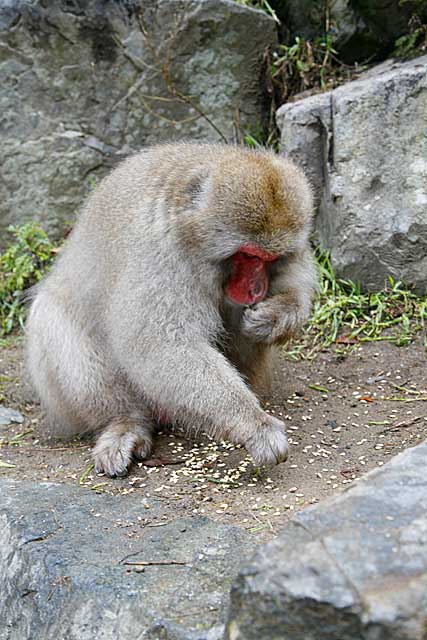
[(257, 288)]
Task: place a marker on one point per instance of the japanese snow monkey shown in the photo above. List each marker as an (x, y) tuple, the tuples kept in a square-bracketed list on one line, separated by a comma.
[(189, 266)]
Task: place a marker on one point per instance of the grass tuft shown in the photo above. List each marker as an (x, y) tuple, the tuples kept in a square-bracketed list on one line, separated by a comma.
[(22, 265), (345, 316)]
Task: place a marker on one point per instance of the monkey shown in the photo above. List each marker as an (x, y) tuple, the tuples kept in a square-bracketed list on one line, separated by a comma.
[(188, 267)]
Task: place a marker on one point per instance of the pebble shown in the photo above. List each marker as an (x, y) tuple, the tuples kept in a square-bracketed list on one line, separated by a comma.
[(9, 416)]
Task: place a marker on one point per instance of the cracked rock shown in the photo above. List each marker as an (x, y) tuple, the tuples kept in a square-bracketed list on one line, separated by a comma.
[(351, 568), (365, 149), (76, 566), (84, 83)]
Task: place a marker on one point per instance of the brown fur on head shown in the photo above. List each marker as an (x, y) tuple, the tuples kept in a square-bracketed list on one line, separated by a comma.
[(260, 196), (260, 190), (222, 194)]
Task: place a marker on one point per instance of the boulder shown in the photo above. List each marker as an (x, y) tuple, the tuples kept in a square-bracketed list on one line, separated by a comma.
[(351, 568), (364, 145), (84, 83), (76, 566)]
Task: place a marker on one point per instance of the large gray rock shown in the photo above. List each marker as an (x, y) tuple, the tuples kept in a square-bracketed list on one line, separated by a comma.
[(365, 147), (62, 575), (351, 568), (84, 83)]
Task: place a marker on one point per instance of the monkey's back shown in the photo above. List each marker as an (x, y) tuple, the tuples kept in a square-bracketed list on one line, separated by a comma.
[(142, 219)]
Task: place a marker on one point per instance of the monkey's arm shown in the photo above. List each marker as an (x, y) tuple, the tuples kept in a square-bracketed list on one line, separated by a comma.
[(287, 306), (195, 385)]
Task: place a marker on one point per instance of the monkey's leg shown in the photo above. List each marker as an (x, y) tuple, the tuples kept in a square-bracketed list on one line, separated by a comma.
[(255, 361), (123, 440), (77, 385)]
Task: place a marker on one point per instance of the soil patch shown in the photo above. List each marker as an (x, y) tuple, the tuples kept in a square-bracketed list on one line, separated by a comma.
[(345, 414)]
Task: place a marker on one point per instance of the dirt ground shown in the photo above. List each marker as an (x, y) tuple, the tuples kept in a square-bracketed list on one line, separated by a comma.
[(345, 415)]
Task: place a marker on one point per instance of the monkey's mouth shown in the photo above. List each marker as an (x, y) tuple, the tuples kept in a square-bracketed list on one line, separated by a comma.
[(248, 283)]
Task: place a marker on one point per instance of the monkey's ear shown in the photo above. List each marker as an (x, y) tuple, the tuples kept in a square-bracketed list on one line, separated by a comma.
[(196, 184)]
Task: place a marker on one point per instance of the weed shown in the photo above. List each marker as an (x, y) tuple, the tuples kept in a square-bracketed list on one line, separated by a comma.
[(254, 141), (92, 182), (346, 316), (414, 42), (21, 266), (307, 66)]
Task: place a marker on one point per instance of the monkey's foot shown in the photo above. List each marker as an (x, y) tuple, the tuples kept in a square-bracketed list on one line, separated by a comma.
[(122, 441), (269, 444)]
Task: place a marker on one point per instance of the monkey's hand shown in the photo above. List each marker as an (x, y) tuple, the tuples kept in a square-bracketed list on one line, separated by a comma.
[(275, 320), (268, 445)]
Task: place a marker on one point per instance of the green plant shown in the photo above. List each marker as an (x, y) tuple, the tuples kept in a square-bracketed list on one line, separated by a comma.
[(252, 142), (92, 182), (257, 140), (414, 42), (345, 316), (22, 265), (305, 65)]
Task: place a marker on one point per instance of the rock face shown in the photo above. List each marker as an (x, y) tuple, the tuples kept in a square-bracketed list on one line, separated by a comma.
[(365, 147), (84, 83), (76, 566), (351, 568), (62, 573)]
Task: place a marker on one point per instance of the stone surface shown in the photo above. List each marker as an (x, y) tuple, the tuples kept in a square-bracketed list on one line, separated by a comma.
[(62, 574), (351, 568), (84, 83), (8, 416), (365, 147)]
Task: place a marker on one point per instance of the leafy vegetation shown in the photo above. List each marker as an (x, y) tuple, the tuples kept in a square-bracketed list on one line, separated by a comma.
[(306, 65), (293, 69), (302, 65), (314, 65), (413, 43), (345, 316), (256, 140), (21, 266)]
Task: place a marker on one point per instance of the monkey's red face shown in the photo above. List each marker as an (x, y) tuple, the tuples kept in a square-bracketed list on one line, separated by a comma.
[(248, 283)]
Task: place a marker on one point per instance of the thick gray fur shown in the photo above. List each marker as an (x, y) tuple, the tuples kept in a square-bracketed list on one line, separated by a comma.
[(131, 323)]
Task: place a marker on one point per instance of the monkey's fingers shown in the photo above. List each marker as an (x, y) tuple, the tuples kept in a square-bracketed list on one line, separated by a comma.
[(269, 444), (259, 323), (271, 323)]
